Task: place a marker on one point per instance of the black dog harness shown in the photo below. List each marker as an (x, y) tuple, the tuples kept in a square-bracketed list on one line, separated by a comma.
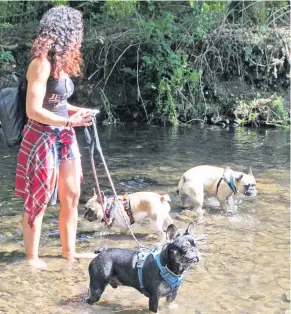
[(229, 182)]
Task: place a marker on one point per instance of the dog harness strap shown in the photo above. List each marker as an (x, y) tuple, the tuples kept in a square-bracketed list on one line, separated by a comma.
[(111, 207), (230, 183), (127, 208), (141, 255), (218, 184), (172, 279)]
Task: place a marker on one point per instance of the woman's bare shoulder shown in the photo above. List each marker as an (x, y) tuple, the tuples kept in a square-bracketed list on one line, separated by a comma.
[(39, 68)]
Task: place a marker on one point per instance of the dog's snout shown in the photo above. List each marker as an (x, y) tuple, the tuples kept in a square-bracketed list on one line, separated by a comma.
[(251, 193), (250, 190), (198, 256)]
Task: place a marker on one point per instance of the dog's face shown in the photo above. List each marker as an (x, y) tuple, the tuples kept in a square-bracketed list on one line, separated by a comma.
[(182, 249), (93, 209), (247, 183)]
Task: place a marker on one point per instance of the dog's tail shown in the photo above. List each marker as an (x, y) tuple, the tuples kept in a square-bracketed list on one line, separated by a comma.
[(99, 250)]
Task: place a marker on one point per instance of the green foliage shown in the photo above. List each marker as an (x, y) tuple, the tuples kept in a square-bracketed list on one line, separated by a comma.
[(5, 25), (174, 78), (57, 3), (271, 111), (217, 6), (6, 56), (279, 104), (168, 59), (120, 8), (15, 12)]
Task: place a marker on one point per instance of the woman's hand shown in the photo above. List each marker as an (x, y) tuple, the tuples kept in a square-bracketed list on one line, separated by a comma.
[(85, 112), (82, 117)]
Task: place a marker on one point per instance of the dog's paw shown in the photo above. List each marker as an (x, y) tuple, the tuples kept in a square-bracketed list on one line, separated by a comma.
[(200, 220), (230, 213), (173, 306)]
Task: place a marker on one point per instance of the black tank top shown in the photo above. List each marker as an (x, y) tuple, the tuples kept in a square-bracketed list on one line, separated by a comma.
[(57, 93)]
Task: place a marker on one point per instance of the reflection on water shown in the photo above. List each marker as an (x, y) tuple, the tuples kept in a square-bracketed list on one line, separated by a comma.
[(245, 257)]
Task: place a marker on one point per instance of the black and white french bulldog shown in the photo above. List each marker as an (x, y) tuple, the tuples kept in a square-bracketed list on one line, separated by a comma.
[(119, 267)]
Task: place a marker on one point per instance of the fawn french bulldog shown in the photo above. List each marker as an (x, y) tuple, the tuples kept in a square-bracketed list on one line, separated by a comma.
[(214, 181), (140, 205)]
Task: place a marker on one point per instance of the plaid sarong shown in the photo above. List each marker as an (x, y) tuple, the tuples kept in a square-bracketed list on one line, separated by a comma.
[(32, 173)]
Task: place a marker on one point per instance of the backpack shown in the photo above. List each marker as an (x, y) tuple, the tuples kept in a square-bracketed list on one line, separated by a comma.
[(12, 111)]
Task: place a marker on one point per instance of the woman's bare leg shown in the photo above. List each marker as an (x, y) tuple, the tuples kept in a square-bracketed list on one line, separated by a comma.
[(69, 193), (31, 236)]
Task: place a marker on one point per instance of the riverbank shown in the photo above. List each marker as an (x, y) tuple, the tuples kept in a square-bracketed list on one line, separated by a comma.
[(171, 63)]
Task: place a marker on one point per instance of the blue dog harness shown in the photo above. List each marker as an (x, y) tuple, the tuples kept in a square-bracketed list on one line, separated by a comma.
[(172, 279), (230, 183)]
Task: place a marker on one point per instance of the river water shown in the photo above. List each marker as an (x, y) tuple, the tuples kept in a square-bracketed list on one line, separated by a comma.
[(245, 257)]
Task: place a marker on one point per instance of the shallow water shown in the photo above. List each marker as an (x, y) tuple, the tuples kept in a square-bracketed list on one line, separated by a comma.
[(245, 264)]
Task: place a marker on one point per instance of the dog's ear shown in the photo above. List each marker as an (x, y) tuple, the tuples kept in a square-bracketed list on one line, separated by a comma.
[(94, 192), (165, 197), (100, 201), (190, 229), (172, 232), (251, 172), (124, 195), (239, 176)]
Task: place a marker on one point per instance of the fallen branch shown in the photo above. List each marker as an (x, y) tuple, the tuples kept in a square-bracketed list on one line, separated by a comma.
[(117, 62)]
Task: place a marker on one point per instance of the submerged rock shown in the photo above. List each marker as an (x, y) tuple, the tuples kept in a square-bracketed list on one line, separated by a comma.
[(138, 182), (287, 295)]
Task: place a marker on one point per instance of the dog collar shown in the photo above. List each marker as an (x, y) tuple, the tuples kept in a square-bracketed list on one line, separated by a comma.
[(230, 183), (172, 279)]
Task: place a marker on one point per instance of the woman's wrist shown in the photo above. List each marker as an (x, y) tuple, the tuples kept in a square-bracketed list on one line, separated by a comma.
[(69, 122)]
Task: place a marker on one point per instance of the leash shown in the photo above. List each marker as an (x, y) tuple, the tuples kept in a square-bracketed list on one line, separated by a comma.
[(99, 149), (91, 150)]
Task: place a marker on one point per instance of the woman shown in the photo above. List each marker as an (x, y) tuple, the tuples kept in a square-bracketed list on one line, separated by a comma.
[(49, 159)]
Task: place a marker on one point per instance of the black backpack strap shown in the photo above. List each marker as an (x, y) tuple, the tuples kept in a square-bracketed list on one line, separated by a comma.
[(18, 78)]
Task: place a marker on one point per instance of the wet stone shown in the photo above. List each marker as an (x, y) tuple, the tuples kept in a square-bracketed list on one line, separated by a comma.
[(8, 234), (138, 182), (257, 297), (287, 295), (283, 283), (167, 169)]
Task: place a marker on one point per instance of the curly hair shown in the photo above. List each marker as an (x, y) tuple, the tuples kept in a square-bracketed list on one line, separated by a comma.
[(59, 39)]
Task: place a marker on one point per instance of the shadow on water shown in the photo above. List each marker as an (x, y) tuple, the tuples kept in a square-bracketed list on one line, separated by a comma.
[(245, 264)]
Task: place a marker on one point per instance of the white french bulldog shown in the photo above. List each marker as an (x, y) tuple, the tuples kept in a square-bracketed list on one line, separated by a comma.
[(150, 205), (215, 181)]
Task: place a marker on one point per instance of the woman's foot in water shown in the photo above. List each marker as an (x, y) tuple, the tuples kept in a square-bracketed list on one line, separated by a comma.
[(36, 263), (73, 256)]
